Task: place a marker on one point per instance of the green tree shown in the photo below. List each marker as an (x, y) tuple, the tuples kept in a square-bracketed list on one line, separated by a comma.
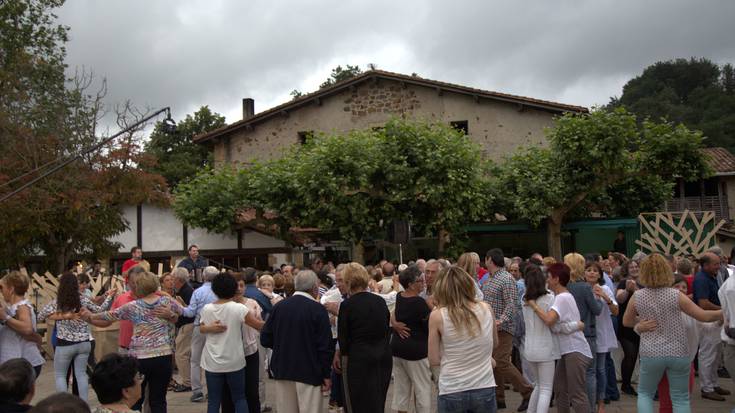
[(44, 119), (695, 92), (338, 74), (601, 163), (178, 158), (351, 184)]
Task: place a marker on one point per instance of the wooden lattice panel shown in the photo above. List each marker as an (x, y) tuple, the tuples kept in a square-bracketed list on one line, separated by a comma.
[(44, 287), (678, 233)]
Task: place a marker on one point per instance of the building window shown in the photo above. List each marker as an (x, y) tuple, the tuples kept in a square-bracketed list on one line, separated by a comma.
[(461, 125), (304, 135)]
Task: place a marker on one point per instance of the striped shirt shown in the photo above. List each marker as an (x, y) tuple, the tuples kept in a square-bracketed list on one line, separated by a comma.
[(152, 336)]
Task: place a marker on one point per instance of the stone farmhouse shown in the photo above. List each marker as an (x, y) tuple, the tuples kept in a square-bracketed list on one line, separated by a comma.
[(498, 122)]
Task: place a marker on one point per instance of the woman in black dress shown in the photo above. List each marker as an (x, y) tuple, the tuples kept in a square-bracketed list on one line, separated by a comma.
[(629, 340), (364, 344)]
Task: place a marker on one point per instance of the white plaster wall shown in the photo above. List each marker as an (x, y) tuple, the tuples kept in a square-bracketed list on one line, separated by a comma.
[(128, 239), (252, 239), (161, 230), (275, 260), (212, 241)]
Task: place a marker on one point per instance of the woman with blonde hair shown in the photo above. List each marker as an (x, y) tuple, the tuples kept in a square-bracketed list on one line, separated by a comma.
[(665, 348), (470, 263), (589, 309), (462, 336), (153, 317), (364, 353), (266, 284)]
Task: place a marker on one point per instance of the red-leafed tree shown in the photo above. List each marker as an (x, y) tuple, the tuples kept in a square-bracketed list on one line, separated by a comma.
[(45, 118)]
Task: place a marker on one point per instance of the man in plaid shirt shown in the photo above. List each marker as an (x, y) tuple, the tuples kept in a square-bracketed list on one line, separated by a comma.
[(501, 293)]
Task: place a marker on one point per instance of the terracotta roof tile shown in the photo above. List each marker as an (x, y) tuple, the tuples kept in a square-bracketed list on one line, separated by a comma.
[(721, 160)]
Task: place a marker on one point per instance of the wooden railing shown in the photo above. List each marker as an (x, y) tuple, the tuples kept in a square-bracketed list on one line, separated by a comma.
[(695, 203)]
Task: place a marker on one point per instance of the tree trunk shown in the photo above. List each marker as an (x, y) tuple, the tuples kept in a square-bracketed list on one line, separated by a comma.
[(553, 235), (443, 241), (358, 252), (59, 263)]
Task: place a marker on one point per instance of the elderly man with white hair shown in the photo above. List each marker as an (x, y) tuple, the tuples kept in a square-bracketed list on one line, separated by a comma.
[(299, 333), (201, 297), (184, 330)]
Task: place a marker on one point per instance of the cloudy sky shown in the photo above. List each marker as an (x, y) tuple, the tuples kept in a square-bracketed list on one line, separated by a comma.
[(186, 54)]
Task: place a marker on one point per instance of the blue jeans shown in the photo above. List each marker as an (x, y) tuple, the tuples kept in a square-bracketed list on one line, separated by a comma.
[(470, 401), (611, 388), (591, 375), (235, 381), (651, 371), (601, 369), (64, 356)]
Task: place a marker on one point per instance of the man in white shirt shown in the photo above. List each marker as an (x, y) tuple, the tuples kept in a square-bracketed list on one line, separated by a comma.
[(726, 293)]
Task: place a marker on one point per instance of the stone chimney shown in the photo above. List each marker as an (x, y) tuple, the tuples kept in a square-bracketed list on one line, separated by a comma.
[(248, 108)]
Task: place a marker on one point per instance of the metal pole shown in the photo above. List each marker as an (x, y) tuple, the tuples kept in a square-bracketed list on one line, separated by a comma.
[(400, 253), (82, 153)]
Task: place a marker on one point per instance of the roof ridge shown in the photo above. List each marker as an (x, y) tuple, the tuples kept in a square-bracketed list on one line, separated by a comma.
[(302, 100)]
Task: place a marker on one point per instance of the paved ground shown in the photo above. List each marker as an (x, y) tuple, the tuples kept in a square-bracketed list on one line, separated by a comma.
[(179, 402)]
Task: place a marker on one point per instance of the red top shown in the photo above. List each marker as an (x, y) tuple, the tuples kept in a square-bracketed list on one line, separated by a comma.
[(690, 283), (480, 273), (126, 327), (128, 264)]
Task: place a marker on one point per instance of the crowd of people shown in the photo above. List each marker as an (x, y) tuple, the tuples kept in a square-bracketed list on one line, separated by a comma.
[(449, 337)]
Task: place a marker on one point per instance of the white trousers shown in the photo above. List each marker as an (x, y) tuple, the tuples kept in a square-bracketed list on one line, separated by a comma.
[(710, 354), (541, 396), (411, 378), (296, 397)]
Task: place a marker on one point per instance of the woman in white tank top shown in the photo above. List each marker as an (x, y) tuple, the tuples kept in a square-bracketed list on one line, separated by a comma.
[(462, 335)]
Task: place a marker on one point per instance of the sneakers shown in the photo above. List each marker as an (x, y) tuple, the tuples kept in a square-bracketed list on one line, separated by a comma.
[(197, 397), (712, 395), (180, 388), (722, 392)]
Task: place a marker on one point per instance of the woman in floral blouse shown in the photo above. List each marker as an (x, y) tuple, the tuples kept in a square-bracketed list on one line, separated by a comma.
[(153, 317), (72, 334)]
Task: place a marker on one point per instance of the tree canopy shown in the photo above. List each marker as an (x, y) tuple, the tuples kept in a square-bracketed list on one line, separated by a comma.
[(177, 157), (45, 118), (338, 74), (696, 92), (601, 163), (352, 184)]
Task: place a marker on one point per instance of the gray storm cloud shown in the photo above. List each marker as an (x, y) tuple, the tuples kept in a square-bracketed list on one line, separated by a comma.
[(186, 54)]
